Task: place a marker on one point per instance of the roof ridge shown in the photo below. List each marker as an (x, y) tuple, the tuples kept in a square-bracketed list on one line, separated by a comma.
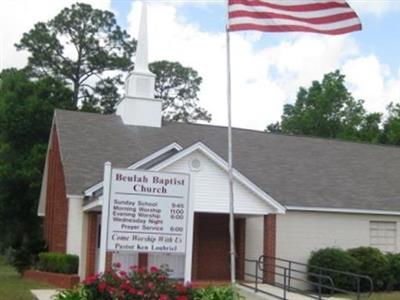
[(302, 136), (296, 135), (83, 112)]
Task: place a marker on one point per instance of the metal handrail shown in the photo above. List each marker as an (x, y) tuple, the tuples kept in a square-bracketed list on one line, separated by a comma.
[(322, 276), (356, 277), (287, 277)]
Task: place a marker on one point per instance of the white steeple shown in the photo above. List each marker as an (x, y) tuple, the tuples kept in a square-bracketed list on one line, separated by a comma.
[(142, 60), (139, 107)]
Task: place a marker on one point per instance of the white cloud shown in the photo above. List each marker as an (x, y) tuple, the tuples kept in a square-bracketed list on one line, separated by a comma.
[(375, 7), (19, 16), (308, 57), (373, 81), (263, 79)]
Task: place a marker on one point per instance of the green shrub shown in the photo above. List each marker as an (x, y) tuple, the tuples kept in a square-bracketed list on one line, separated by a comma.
[(216, 293), (337, 259), (36, 246), (21, 260), (9, 255), (373, 263), (74, 294), (23, 256), (58, 263), (394, 271)]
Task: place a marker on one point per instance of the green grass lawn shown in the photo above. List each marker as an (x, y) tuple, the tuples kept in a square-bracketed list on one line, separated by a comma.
[(380, 296), (386, 296), (13, 287)]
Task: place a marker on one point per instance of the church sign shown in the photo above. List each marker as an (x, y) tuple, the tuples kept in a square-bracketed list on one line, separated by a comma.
[(147, 211)]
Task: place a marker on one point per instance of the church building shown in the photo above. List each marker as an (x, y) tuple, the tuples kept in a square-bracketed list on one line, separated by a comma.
[(292, 194)]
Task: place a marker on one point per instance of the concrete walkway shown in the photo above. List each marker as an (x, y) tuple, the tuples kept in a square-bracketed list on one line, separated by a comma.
[(44, 294), (249, 294)]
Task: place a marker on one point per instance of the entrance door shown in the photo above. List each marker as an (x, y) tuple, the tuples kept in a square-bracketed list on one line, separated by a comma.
[(212, 241)]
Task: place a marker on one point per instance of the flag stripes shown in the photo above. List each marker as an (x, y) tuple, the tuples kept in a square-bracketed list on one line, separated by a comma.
[(319, 16)]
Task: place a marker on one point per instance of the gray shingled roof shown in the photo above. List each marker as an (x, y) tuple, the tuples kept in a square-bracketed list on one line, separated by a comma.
[(294, 170)]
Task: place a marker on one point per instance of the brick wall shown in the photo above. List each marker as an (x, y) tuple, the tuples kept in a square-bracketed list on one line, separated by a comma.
[(109, 261), (195, 252), (269, 247), (91, 244), (143, 260), (56, 218), (64, 281), (240, 240)]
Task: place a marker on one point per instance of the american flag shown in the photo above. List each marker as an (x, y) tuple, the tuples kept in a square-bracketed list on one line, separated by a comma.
[(320, 16)]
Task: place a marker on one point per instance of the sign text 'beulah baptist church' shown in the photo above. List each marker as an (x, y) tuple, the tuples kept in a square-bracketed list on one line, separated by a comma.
[(147, 211)]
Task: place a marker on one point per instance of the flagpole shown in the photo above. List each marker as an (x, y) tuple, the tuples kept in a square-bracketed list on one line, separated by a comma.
[(230, 160)]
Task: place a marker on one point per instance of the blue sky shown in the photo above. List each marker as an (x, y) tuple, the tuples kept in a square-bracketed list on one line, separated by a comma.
[(274, 70), (380, 33), (267, 69)]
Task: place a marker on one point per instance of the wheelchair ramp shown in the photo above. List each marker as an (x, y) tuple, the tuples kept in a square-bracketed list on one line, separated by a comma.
[(276, 278)]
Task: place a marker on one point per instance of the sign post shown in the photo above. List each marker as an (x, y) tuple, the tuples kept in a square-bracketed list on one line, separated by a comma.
[(144, 211), (104, 216)]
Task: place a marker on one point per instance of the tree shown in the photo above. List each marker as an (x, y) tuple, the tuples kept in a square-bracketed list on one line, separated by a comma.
[(178, 86), (370, 128), (274, 128), (391, 126), (81, 45), (26, 110), (328, 109)]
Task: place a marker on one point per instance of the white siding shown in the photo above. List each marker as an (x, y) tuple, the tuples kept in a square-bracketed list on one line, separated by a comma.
[(83, 256), (254, 242), (75, 229), (210, 188), (300, 233)]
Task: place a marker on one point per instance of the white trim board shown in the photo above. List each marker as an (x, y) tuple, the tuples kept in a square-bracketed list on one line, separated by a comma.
[(344, 210), (136, 165), (91, 205), (199, 146)]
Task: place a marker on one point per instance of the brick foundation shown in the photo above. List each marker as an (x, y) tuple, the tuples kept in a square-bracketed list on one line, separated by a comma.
[(269, 248), (64, 281)]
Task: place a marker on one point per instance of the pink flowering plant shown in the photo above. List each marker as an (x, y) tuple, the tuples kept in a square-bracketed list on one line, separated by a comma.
[(138, 283)]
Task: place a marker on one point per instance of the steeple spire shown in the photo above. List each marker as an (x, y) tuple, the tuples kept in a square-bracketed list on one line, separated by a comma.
[(142, 60)]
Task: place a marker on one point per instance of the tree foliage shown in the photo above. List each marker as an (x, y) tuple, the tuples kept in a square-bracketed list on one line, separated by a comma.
[(178, 86), (26, 110), (327, 109), (391, 126), (81, 45)]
